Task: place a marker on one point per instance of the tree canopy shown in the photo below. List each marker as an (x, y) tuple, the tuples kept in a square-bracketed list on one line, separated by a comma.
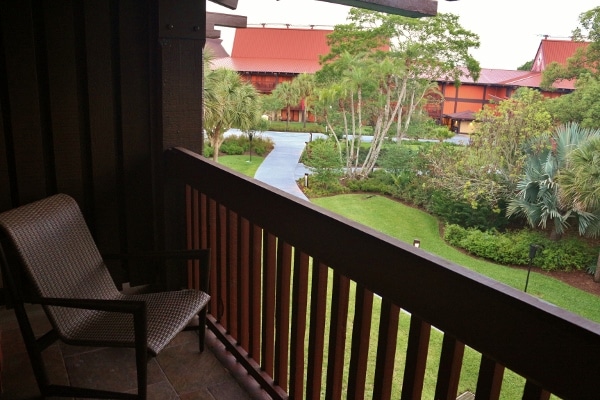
[(380, 69), (288, 95), (487, 171)]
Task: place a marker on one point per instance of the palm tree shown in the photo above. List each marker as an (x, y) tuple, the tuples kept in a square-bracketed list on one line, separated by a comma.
[(538, 197), (580, 188), (229, 103), (289, 95), (305, 83)]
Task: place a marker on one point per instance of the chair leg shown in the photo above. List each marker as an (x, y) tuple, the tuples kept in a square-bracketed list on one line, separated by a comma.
[(141, 351), (33, 350), (141, 362), (201, 329)]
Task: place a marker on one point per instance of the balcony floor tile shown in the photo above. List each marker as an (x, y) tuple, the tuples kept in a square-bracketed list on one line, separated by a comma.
[(178, 372)]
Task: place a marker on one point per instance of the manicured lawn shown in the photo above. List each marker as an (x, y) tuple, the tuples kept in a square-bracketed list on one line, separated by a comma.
[(405, 223), (242, 163)]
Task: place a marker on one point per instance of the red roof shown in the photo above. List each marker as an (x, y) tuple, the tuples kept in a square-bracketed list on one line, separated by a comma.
[(295, 51), (494, 76), (276, 50), (502, 77), (551, 50)]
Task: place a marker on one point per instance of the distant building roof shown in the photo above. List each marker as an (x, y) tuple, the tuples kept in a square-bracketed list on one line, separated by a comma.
[(297, 50), (281, 50), (552, 50), (216, 47), (502, 77), (462, 116)]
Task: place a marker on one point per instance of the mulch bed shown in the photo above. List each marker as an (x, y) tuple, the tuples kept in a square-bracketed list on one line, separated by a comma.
[(578, 279)]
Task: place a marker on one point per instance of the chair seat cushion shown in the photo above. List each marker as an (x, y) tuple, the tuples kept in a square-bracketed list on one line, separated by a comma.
[(167, 314)]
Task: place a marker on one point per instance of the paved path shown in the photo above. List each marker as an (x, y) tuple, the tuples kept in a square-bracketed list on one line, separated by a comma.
[(281, 168)]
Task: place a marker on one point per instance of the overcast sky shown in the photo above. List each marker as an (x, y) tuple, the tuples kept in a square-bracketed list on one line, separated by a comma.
[(510, 30)]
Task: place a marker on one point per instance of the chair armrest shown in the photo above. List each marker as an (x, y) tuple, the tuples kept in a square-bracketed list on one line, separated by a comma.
[(123, 306), (193, 254), (202, 255)]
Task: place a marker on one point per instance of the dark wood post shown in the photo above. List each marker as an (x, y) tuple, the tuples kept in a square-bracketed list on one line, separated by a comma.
[(181, 39)]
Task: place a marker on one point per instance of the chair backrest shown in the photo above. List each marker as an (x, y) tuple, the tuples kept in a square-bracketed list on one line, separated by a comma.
[(57, 252)]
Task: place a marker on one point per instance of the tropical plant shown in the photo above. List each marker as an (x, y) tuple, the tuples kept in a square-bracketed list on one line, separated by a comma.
[(272, 106), (229, 103), (538, 198), (305, 84), (288, 95), (503, 128), (580, 187), (487, 171)]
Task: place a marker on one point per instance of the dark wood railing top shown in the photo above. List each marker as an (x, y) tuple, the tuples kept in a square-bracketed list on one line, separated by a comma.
[(547, 345)]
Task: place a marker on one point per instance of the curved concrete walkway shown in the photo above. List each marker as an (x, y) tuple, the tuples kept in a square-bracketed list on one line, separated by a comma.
[(281, 168)]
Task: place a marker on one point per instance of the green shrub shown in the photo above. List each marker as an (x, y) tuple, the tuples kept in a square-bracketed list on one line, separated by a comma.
[(240, 144), (566, 254), (454, 234), (460, 212), (261, 145), (379, 182), (231, 148), (322, 187), (512, 248)]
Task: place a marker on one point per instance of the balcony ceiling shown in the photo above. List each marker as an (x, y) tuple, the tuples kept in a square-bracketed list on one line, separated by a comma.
[(408, 8)]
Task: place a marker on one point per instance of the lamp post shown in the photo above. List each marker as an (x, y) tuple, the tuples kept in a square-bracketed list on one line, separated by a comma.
[(250, 136), (533, 249)]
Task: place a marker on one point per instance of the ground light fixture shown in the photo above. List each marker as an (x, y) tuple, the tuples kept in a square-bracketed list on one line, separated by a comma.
[(250, 137), (533, 249), (417, 243)]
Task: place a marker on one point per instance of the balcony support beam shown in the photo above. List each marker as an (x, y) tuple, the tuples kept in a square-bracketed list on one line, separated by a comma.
[(407, 8)]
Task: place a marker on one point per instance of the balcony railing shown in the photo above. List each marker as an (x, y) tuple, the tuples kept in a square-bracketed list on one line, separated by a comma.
[(287, 274)]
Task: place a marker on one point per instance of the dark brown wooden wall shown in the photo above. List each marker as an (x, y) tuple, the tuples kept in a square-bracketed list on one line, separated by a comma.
[(91, 92)]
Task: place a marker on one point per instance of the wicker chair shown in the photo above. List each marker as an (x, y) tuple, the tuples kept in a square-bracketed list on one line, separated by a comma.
[(49, 241)]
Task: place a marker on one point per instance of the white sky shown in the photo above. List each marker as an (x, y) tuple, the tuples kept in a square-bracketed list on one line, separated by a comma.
[(510, 31)]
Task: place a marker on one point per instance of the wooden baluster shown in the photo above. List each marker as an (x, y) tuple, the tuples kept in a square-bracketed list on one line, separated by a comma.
[(386, 350), (416, 359), (316, 339), (299, 313)]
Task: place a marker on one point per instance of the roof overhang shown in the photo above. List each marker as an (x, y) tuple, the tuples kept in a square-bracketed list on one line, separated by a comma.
[(231, 4), (462, 116), (407, 8), (227, 20)]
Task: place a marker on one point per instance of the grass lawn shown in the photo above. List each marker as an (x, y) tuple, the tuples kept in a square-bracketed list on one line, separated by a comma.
[(242, 163), (406, 223)]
